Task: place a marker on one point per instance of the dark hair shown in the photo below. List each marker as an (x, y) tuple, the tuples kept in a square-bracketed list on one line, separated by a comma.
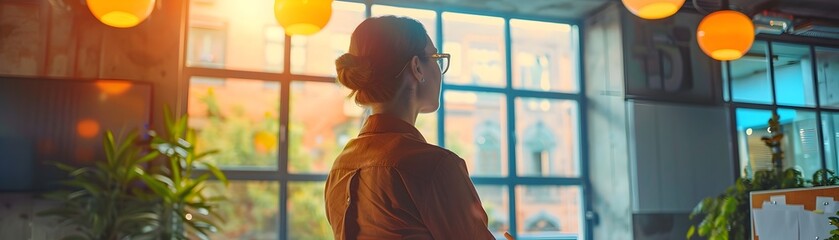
[(379, 49)]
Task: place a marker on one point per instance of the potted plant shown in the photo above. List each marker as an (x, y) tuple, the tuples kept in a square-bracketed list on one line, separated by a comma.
[(185, 210), (130, 195), (102, 201)]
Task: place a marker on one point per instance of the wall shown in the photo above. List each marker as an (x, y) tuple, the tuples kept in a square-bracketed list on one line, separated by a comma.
[(61, 39), (608, 156), (650, 162)]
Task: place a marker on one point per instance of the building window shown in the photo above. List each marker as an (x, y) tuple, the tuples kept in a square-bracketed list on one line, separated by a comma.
[(279, 130), (543, 222), (488, 141)]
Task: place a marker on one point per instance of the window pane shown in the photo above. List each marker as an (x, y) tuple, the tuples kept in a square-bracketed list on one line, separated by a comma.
[(475, 130), (547, 137), (250, 211), (427, 125), (476, 44), (800, 143), (322, 121), (306, 212), (827, 71), (428, 18), (750, 80), (548, 212), (316, 54), (544, 56), (229, 34), (754, 154), (237, 117), (830, 128), (497, 206), (793, 70)]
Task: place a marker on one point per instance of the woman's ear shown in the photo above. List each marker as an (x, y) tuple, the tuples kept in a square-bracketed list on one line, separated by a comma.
[(416, 69)]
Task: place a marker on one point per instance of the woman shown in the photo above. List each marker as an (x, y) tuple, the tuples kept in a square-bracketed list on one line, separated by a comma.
[(389, 183)]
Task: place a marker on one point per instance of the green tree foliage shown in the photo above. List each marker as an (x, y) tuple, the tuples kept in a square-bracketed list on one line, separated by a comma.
[(233, 134)]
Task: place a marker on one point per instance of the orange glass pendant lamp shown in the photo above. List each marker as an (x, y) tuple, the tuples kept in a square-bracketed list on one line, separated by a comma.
[(725, 35), (302, 17), (653, 9), (121, 13)]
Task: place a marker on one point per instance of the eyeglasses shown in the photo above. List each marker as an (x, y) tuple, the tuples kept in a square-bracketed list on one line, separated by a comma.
[(442, 61)]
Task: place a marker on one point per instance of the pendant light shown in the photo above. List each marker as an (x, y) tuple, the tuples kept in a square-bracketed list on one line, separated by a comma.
[(302, 17), (726, 34), (653, 9), (121, 13)]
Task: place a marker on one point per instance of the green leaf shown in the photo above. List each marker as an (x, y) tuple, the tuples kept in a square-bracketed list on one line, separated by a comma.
[(108, 143), (155, 185), (691, 231), (705, 226), (148, 157), (720, 222), (729, 206), (62, 166), (216, 172)]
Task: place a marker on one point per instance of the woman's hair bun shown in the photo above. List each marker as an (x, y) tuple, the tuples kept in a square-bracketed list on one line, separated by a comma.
[(354, 72)]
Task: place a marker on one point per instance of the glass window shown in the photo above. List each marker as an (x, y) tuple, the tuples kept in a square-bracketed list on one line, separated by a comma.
[(427, 125), (750, 80), (800, 144), (547, 137), (827, 72), (754, 154), (427, 18), (231, 35), (544, 56), (475, 124), (558, 219), (242, 119), (476, 44), (793, 69), (830, 133), (322, 120), (316, 54), (250, 211), (495, 200), (801, 141), (306, 212), (237, 117)]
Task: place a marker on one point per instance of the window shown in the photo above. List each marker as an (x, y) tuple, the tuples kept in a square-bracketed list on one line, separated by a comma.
[(510, 109), (795, 80)]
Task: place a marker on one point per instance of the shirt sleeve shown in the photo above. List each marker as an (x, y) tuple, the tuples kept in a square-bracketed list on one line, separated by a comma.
[(451, 209)]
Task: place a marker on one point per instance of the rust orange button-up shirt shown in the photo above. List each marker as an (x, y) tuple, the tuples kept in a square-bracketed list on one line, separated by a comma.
[(390, 184)]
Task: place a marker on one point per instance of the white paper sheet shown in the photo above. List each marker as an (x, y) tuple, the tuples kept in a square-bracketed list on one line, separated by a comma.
[(776, 224), (822, 203), (778, 200), (831, 208), (812, 225)]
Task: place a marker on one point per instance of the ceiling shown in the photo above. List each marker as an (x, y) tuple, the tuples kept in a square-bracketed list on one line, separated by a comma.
[(825, 10), (810, 9), (559, 9)]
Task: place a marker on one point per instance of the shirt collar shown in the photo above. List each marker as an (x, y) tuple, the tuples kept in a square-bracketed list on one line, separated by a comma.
[(381, 123)]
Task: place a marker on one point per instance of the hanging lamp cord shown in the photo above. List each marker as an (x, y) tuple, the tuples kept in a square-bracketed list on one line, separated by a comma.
[(703, 11)]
